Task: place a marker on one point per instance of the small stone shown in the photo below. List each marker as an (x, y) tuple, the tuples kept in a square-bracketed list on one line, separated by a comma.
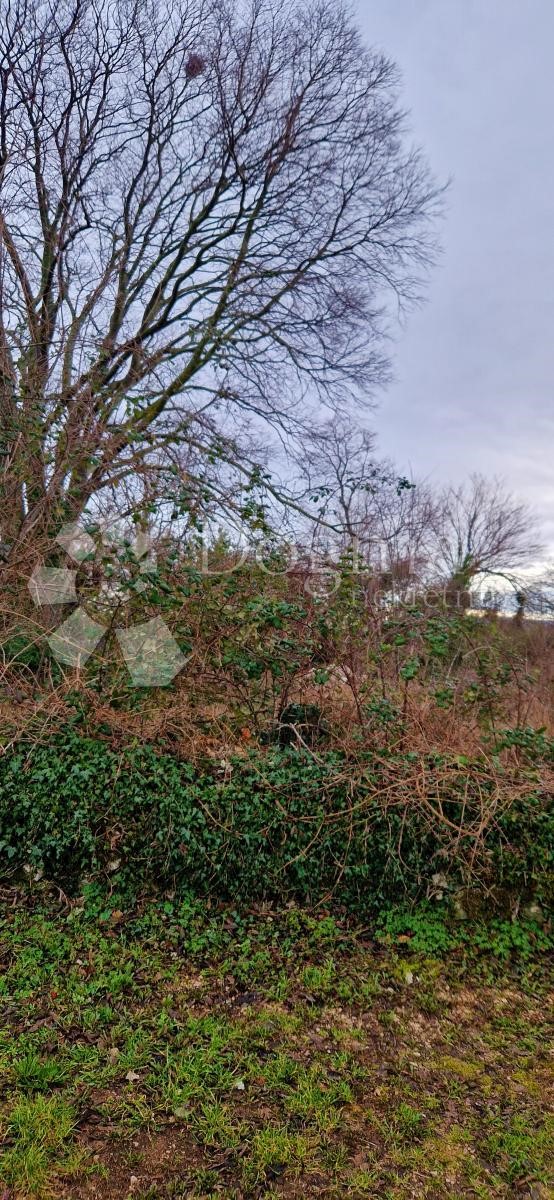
[(533, 912)]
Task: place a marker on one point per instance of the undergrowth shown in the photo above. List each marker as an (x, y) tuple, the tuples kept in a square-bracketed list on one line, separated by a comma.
[(278, 823)]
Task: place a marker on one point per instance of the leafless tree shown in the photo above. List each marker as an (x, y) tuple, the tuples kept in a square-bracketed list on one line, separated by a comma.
[(536, 596), (384, 515), (482, 531), (203, 209), (339, 467)]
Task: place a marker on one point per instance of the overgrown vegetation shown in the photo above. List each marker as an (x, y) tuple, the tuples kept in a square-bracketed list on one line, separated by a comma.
[(314, 747), (276, 824)]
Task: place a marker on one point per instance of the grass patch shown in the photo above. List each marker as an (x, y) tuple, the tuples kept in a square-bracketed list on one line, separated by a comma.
[(155, 1057), (37, 1133)]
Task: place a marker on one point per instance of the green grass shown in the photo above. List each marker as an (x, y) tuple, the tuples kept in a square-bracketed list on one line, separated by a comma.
[(37, 1132), (264, 1055), (523, 1147)]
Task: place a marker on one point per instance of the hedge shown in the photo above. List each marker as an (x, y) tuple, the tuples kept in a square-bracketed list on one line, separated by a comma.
[(279, 824)]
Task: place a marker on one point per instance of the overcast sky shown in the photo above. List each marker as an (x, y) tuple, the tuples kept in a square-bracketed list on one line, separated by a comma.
[(474, 368)]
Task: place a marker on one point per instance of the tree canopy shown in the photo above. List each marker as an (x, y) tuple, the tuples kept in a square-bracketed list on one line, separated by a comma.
[(205, 210)]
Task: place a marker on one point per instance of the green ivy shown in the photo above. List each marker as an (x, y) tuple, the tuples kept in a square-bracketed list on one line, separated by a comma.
[(280, 824)]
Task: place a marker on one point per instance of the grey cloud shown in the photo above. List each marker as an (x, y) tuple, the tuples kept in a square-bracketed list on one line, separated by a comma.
[(474, 369)]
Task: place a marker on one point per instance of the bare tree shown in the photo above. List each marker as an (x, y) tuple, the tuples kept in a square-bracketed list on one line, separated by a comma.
[(339, 466), (387, 516), (536, 596), (482, 531), (203, 207)]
